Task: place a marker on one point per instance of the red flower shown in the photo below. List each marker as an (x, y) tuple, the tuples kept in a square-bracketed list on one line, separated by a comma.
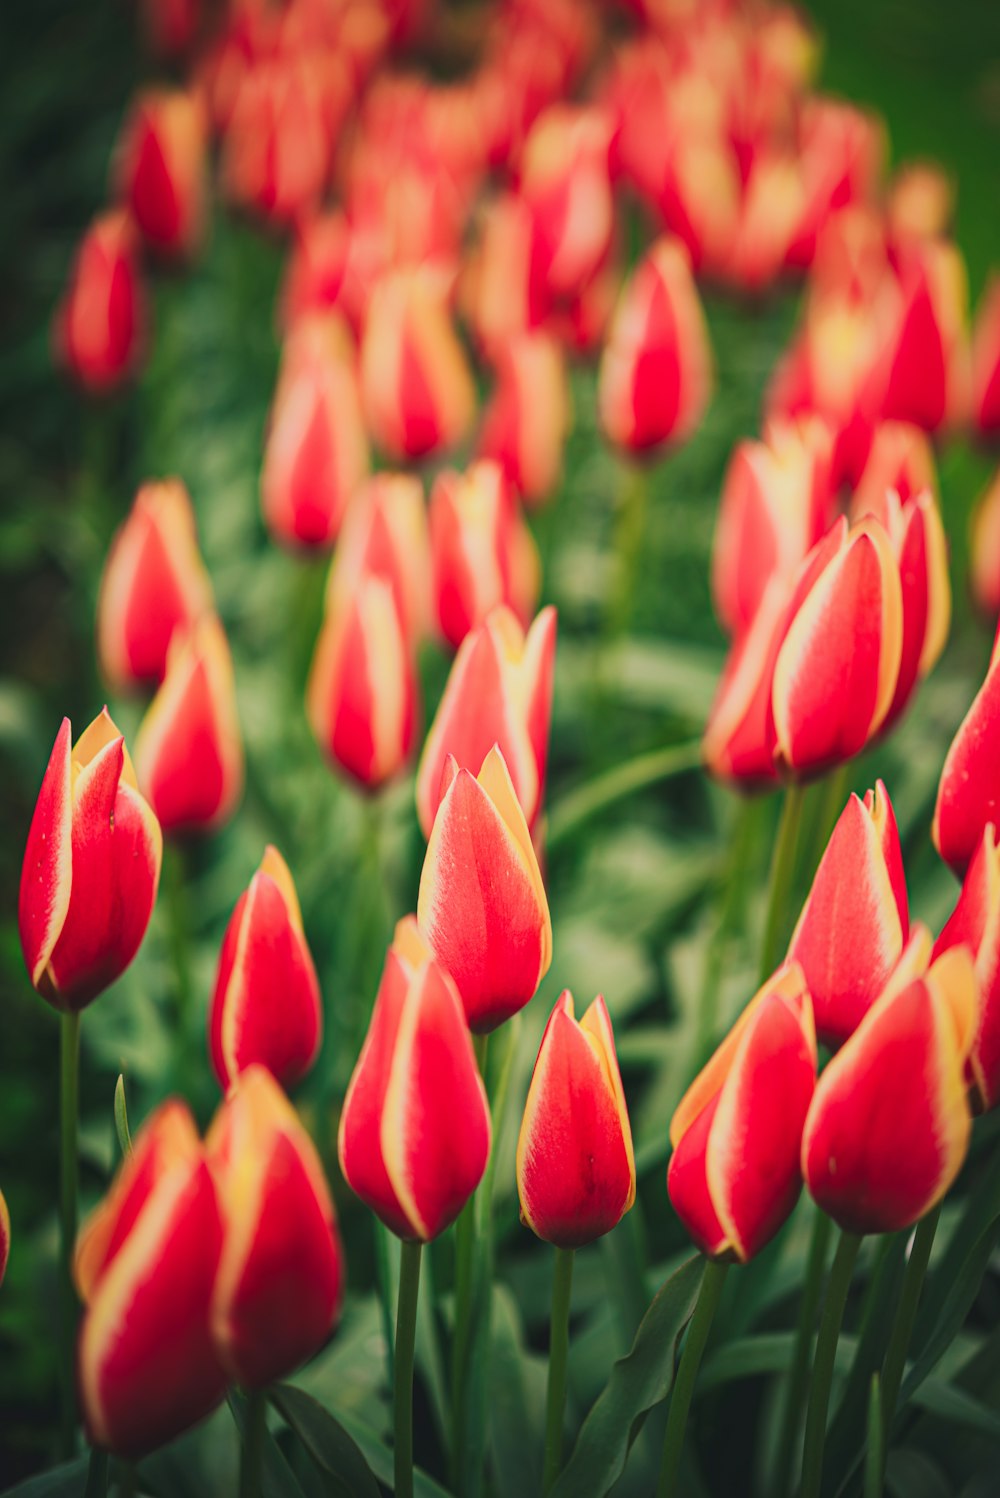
[(528, 416), (159, 170), (969, 790), (975, 923), (100, 323)]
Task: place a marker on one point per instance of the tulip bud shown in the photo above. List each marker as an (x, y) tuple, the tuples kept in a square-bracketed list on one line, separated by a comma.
[(841, 153), (362, 697), (385, 535), (920, 203), (502, 289), (4, 1236), (146, 1262), (566, 182), (925, 353), (734, 1174), (321, 275), (159, 170), (889, 1125), (528, 417), (482, 552), (276, 151), (975, 924), (656, 370), (855, 922), (575, 1166), (266, 1006), (900, 458), (100, 324), (154, 582), (699, 196), (91, 868), (317, 450), (415, 1128), (189, 751), (738, 743), (281, 1275), (499, 692), (985, 550), (969, 789), (417, 390), (986, 362), (482, 905)]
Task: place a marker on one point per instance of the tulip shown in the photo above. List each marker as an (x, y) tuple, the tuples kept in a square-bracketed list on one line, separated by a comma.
[(581, 323), (4, 1236), (975, 924), (280, 1281), (841, 154), (189, 752), (969, 789), (415, 1127), (362, 697), (100, 324), (565, 180), (159, 170), (734, 1173), (986, 362), (889, 1125), (925, 353), (985, 550), (855, 922), (385, 534), (499, 691), (171, 26), (900, 458), (656, 370), (739, 742), (146, 1263), (503, 294), (481, 906), (920, 203), (277, 149), (91, 868), (418, 394), (699, 197), (154, 582), (322, 275), (266, 1006), (482, 552), (528, 416), (575, 1166), (775, 507), (769, 213)]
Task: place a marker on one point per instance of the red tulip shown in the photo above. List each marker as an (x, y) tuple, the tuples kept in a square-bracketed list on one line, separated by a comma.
[(925, 351), (499, 692), (841, 153), (189, 751), (975, 923), (159, 170), (415, 1128), (900, 458), (4, 1236), (322, 273), (482, 905), (969, 790), (91, 868), (985, 550), (855, 922), (656, 370), (385, 535), (100, 324), (986, 362), (528, 416), (564, 179), (889, 1125), (575, 1166), (734, 1174), (739, 740), (266, 1007), (277, 147), (281, 1276), (145, 1267), (154, 582), (769, 213), (503, 293), (920, 203), (699, 195)]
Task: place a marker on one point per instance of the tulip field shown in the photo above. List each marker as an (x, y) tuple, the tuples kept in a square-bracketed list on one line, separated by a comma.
[(500, 726)]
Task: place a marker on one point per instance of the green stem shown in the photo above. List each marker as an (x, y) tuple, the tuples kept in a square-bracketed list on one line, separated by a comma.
[(906, 1315), (826, 1352), (178, 915), (798, 1369), (465, 1275), (69, 1104), (383, 1275), (629, 527), (687, 1374), (128, 1482), (637, 774), (875, 1445), (782, 868), (555, 1407), (406, 1336), (97, 1474), (254, 1432)]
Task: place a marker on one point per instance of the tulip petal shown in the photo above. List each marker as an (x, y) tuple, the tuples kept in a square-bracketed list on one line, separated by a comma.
[(47, 871)]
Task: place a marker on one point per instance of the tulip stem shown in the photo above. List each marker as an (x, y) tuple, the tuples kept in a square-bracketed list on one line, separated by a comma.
[(630, 524), (406, 1336), (597, 794), (687, 1373), (798, 1369), (782, 869), (254, 1431), (906, 1315), (174, 879), (826, 1352), (69, 1101), (465, 1284), (555, 1407)]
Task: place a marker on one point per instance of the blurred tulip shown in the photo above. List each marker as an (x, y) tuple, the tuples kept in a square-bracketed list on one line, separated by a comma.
[(700, 197), (482, 905), (321, 274), (171, 26), (581, 323), (841, 156), (417, 390), (975, 924), (385, 535), (986, 362), (565, 180), (415, 1127), (189, 752), (969, 789), (146, 1263), (770, 210), (528, 417), (575, 1166), (734, 1173), (502, 291), (160, 170), (482, 552), (317, 449), (266, 1006), (154, 581), (900, 458), (925, 353), (499, 692), (920, 202), (855, 921), (277, 149), (281, 1275), (889, 1125), (4, 1236), (985, 550), (656, 370), (99, 328), (91, 868)]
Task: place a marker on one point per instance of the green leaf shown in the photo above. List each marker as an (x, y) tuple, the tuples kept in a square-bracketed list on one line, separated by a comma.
[(516, 1401), (379, 1459), (950, 1403), (957, 1304), (327, 1442), (910, 1474), (66, 1481), (121, 1118), (875, 1449), (637, 1383), (277, 1479)]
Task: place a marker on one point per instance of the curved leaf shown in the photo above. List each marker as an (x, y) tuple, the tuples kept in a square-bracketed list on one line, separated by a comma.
[(335, 1452)]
